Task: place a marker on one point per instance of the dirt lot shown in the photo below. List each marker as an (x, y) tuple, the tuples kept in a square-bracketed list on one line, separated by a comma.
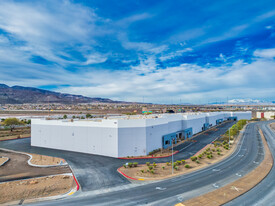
[(6, 134), (35, 188), (45, 160), (3, 159), (18, 168), (160, 173)]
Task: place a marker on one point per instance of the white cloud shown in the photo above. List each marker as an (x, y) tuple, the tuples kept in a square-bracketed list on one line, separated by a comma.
[(49, 29), (266, 53), (191, 83)]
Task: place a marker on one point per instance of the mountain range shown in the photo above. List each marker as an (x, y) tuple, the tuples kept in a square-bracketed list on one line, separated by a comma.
[(21, 95)]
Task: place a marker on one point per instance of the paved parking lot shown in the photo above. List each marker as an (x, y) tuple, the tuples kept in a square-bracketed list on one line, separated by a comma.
[(97, 172)]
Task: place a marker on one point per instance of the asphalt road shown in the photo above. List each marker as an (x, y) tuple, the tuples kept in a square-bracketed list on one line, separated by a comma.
[(248, 155), (171, 191), (264, 193), (96, 172)]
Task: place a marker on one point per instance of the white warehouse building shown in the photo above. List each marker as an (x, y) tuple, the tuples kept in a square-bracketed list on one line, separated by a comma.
[(123, 136)]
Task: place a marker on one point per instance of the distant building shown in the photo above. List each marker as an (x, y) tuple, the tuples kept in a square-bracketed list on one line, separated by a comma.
[(266, 115), (122, 136)]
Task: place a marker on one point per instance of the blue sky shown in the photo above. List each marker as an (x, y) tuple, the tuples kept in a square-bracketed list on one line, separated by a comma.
[(162, 51)]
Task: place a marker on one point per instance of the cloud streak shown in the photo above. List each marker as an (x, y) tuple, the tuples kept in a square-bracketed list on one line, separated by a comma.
[(161, 51)]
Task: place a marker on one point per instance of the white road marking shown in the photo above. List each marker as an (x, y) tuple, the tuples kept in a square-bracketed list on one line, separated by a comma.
[(238, 174), (180, 198), (186, 146), (216, 170), (255, 162), (160, 188), (235, 188), (215, 185)]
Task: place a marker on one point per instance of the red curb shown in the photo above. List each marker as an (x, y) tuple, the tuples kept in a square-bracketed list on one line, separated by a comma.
[(125, 174), (13, 139), (133, 158), (77, 185)]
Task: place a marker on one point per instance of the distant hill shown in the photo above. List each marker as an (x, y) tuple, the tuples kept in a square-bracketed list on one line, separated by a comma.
[(20, 95)]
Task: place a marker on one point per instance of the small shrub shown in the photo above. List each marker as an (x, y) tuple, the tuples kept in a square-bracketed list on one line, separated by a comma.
[(200, 156), (209, 156), (213, 150), (147, 163), (178, 162), (130, 164), (154, 164), (148, 170), (182, 161), (152, 171), (219, 153), (142, 171), (135, 164), (187, 166), (163, 167), (176, 168), (197, 161), (174, 164), (167, 163), (208, 149), (150, 167), (194, 158), (218, 150), (124, 166)]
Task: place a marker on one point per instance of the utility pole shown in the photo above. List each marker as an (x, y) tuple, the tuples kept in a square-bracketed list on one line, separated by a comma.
[(229, 138), (172, 159)]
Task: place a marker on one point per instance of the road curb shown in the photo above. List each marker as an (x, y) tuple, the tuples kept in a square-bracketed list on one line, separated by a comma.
[(29, 160), (39, 199), (239, 187), (135, 158), (14, 139), (127, 175), (237, 140), (75, 179), (5, 161)]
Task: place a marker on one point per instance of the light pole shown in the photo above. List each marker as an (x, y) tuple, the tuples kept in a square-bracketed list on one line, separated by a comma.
[(229, 138), (172, 158)]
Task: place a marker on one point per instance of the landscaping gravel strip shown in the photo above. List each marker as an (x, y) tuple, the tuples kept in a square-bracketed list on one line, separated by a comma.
[(237, 188)]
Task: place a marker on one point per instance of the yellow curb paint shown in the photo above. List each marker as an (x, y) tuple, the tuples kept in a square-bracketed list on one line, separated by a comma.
[(179, 204), (71, 193), (140, 179)]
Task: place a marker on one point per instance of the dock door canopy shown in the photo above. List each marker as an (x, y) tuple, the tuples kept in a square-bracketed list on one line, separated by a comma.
[(187, 133), (218, 121), (232, 118), (168, 139), (175, 137), (205, 126)]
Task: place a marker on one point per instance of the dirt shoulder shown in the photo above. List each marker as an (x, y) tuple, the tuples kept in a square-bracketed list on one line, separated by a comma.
[(35, 188), (17, 133), (18, 168), (164, 170), (237, 188)]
